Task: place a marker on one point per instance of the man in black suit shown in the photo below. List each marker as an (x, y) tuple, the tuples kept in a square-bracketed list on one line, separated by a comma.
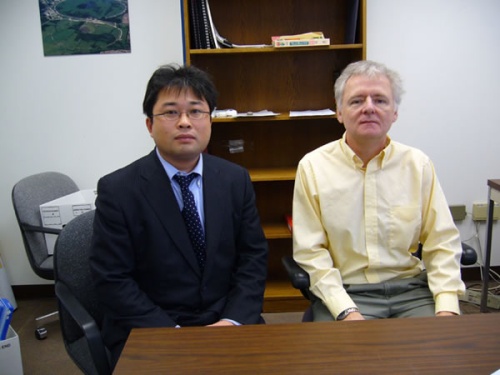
[(146, 270)]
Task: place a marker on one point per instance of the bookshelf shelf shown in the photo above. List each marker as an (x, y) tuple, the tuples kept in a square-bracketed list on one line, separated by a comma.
[(280, 117), (279, 80), (280, 296), (276, 231), (231, 51), (272, 174)]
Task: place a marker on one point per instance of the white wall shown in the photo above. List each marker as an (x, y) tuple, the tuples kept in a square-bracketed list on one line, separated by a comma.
[(81, 115), (448, 54)]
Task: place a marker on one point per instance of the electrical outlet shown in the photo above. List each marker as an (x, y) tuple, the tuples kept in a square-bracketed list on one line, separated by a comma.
[(480, 211), (458, 212), (473, 296)]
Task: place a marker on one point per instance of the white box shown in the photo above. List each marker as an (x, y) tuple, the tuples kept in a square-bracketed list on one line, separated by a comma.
[(10, 354), (57, 213)]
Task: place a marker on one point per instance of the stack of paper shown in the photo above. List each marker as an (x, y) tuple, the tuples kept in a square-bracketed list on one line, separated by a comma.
[(321, 112)]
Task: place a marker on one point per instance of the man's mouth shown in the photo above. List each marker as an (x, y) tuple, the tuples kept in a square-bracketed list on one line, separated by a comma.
[(368, 122), (184, 137)]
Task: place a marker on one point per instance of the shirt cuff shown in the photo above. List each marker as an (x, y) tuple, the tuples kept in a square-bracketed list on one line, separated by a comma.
[(447, 301), (232, 321), (341, 302)]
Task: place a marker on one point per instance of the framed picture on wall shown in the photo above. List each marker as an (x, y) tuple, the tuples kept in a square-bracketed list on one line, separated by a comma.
[(82, 27)]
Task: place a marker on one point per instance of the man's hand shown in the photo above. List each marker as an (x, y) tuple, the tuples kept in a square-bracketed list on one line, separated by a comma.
[(354, 316), (445, 313), (221, 323)]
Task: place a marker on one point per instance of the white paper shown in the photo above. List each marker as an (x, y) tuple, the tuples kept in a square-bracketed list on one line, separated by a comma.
[(262, 113), (321, 112)]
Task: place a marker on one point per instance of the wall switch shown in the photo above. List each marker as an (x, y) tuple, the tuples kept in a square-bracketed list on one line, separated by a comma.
[(458, 212), (480, 211)]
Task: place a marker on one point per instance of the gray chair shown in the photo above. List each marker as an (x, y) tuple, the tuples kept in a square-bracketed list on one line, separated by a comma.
[(79, 310), (27, 196)]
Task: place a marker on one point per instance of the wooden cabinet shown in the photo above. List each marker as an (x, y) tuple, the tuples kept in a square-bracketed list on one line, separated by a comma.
[(279, 80)]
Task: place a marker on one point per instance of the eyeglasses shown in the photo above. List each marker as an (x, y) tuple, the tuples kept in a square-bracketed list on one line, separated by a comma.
[(193, 114)]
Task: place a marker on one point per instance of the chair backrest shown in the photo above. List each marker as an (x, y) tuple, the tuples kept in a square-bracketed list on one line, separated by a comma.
[(74, 286), (27, 196)]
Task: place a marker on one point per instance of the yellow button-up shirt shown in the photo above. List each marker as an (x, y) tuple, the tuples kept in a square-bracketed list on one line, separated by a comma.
[(355, 225)]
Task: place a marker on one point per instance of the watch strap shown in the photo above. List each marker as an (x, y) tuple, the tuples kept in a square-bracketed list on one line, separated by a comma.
[(346, 312)]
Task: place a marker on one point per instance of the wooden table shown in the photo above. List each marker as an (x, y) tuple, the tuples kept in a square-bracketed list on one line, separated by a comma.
[(468, 344), (493, 196)]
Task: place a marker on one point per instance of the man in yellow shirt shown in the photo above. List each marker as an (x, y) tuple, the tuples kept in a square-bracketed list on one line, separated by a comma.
[(361, 206)]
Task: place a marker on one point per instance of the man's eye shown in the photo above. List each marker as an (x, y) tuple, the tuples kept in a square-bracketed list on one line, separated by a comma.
[(195, 111), (170, 113)]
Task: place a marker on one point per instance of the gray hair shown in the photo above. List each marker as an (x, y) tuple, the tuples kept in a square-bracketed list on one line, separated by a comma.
[(370, 69)]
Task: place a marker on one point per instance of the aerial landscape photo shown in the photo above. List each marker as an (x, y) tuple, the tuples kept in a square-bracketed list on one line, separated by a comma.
[(78, 27)]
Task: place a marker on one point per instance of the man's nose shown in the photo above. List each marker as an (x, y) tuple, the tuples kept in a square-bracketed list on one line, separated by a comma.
[(368, 105), (183, 120)]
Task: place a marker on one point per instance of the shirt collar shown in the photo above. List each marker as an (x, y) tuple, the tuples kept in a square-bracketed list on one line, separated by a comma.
[(380, 159), (172, 171)]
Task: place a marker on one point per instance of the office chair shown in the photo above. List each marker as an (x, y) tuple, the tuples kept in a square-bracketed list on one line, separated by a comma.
[(300, 278), (27, 196), (79, 311)]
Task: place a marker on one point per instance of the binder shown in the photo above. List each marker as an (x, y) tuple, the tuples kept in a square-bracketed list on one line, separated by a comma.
[(207, 36), (204, 34), (201, 28), (195, 32), (352, 21)]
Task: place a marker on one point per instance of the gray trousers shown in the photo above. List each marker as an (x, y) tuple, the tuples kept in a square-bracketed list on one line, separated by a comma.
[(401, 298)]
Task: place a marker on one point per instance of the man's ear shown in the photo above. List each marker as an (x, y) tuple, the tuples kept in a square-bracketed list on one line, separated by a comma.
[(149, 124), (339, 116)]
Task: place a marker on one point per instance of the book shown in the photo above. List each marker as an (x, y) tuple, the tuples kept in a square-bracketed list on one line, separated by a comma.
[(309, 35), (6, 310), (316, 42), (289, 222), (313, 38)]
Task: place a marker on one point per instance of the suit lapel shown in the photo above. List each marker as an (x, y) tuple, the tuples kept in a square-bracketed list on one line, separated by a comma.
[(213, 192), (158, 192)]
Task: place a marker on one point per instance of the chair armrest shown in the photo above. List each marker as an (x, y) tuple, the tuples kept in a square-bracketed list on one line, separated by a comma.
[(298, 277), (87, 324), (469, 255), (37, 228)]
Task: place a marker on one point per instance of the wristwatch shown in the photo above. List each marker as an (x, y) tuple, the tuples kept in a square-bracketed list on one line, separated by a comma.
[(346, 312)]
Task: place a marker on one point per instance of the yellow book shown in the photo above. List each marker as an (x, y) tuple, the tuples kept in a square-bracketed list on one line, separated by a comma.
[(309, 35)]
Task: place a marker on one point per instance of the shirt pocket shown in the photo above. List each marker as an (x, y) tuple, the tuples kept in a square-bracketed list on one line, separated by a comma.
[(404, 227)]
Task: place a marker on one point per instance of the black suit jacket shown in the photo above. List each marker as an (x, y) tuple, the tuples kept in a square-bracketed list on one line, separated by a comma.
[(143, 263)]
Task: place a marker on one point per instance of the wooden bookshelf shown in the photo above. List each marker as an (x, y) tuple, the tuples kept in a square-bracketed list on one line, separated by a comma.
[(280, 296), (280, 80)]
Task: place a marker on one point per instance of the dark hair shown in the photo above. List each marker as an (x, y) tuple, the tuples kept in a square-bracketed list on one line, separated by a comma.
[(173, 76)]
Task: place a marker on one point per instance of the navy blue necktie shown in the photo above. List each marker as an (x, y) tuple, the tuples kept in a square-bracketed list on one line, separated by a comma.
[(191, 218)]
